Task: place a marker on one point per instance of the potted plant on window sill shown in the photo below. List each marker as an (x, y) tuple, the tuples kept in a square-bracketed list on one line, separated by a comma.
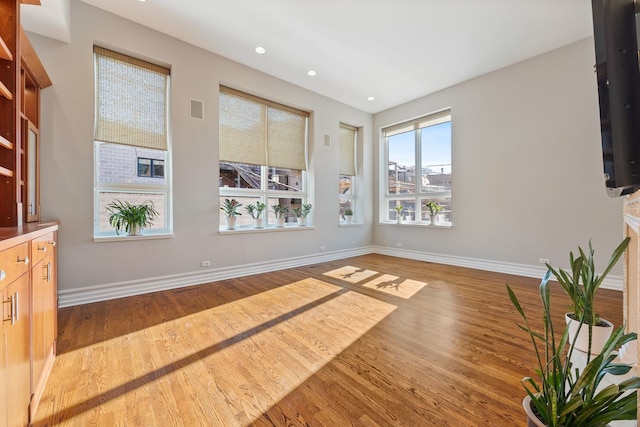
[(280, 213), (131, 218), (230, 208), (301, 213), (348, 216), (589, 331), (566, 396), (399, 211), (433, 211), (256, 213)]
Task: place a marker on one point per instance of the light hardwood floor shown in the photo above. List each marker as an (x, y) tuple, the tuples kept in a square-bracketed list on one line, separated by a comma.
[(365, 341)]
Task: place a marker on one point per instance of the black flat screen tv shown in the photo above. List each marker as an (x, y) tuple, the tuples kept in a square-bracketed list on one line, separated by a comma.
[(616, 28)]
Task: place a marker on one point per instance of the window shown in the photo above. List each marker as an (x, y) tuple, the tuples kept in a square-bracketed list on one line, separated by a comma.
[(131, 142), (418, 170), (263, 155), (153, 168), (348, 137)]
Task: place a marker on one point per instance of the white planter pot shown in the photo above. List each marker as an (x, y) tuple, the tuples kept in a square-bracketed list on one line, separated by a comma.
[(257, 223), (280, 222), (434, 219), (302, 221), (532, 420), (135, 231), (599, 335), (231, 222), (348, 219)]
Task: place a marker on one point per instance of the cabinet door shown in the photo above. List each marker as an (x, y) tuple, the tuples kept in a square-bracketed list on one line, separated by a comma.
[(43, 315), (3, 365), (16, 330)]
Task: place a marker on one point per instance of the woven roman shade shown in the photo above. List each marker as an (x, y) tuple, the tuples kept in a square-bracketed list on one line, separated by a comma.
[(423, 122), (131, 100), (347, 141), (260, 132)]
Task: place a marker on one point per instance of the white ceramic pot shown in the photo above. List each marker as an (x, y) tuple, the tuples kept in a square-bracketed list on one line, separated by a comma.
[(231, 222), (257, 223), (280, 222), (135, 230), (348, 219), (599, 335), (532, 420), (434, 219), (302, 221)]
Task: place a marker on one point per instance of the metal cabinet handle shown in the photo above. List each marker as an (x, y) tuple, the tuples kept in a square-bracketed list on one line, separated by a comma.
[(25, 260), (15, 309), (3, 275), (52, 243), (48, 272), (43, 248)]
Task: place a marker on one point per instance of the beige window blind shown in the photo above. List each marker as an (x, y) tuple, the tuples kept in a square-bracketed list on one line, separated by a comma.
[(131, 100), (347, 141), (260, 132), (422, 122)]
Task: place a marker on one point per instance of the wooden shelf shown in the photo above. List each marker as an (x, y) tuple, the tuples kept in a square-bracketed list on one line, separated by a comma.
[(5, 53), (5, 92), (4, 142), (5, 172)]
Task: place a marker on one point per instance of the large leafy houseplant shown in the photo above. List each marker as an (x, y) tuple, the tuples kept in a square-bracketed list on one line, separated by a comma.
[(566, 397), (131, 218), (582, 283)]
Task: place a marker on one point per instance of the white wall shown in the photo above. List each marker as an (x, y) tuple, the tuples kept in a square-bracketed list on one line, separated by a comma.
[(67, 160), (527, 168)]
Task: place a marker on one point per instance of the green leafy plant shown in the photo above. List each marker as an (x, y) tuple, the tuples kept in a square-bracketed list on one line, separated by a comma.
[(280, 211), (302, 211), (582, 283), (567, 397), (131, 218), (348, 212), (230, 207), (256, 210), (433, 207), (399, 209)]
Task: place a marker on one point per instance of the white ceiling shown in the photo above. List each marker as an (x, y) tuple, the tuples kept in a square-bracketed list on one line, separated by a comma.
[(393, 50)]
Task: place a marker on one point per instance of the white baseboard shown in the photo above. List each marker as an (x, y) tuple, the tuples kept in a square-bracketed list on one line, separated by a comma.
[(67, 298), (71, 297)]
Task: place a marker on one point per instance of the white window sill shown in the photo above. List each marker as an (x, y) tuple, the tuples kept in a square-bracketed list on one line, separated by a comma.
[(417, 224), (351, 224), (124, 237), (270, 229)]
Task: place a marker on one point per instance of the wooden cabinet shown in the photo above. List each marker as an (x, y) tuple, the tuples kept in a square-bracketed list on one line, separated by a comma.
[(22, 76), (28, 289), (44, 312)]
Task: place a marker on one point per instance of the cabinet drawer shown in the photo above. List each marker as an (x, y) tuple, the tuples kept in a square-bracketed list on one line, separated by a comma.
[(41, 247), (13, 263)]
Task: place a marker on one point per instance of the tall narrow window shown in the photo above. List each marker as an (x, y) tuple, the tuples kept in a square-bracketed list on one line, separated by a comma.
[(347, 138), (418, 171), (263, 155), (131, 122)]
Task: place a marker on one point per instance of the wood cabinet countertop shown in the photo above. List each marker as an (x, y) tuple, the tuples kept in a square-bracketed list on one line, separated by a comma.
[(12, 236)]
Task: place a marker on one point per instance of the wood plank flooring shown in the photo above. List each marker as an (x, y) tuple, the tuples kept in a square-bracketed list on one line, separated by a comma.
[(364, 341)]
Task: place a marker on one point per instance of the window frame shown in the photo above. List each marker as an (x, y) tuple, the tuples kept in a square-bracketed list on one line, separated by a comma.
[(165, 189), (264, 193), (354, 197), (419, 197)]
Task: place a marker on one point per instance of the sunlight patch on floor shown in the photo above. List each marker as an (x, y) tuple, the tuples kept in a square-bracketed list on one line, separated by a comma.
[(228, 364), (351, 274), (393, 285)]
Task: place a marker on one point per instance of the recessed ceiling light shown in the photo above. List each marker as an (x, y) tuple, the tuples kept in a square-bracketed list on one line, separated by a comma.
[(371, 98), (260, 50), (311, 73), (142, 1)]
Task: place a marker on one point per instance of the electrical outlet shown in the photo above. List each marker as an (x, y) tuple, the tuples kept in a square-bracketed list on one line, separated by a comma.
[(205, 264), (543, 260)]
